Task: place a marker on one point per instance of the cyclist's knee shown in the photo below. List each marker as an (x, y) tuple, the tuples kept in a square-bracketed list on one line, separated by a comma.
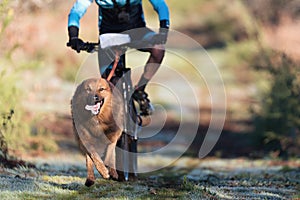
[(158, 53)]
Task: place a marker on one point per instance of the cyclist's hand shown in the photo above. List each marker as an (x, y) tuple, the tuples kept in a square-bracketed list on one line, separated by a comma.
[(76, 44), (161, 37), (89, 47)]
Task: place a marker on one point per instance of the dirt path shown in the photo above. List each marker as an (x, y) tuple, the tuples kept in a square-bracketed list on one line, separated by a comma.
[(187, 178)]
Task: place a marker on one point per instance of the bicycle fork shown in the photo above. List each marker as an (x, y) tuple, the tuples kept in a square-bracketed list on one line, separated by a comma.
[(127, 157)]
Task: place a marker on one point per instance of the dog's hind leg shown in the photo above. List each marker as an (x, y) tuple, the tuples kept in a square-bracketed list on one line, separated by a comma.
[(99, 164), (90, 180), (110, 160)]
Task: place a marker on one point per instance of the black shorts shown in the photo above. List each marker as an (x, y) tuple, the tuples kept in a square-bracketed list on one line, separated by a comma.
[(140, 36)]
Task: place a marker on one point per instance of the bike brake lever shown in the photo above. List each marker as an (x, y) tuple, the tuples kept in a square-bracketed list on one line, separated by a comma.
[(88, 47)]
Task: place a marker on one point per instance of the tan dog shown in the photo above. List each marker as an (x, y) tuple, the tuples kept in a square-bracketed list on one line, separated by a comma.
[(97, 114)]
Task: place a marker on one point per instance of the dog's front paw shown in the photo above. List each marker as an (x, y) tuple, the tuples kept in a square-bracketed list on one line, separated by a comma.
[(113, 173), (106, 176), (89, 182)]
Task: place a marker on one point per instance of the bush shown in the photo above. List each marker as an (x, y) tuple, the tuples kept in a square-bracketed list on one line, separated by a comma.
[(16, 131), (267, 11), (278, 122), (3, 146), (7, 90), (12, 127)]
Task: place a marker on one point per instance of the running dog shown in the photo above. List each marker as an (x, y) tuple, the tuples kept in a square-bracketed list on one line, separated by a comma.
[(97, 113)]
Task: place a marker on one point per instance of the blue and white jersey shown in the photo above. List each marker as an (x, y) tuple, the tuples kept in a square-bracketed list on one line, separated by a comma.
[(80, 7)]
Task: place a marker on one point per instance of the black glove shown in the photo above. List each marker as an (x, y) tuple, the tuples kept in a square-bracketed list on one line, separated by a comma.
[(161, 37), (74, 42)]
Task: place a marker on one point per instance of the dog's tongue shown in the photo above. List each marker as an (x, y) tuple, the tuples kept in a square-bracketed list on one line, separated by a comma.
[(95, 109)]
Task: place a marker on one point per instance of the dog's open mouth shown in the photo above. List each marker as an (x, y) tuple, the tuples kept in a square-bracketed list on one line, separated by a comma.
[(95, 109)]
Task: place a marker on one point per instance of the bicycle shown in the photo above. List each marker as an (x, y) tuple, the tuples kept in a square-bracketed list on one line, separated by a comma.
[(120, 76)]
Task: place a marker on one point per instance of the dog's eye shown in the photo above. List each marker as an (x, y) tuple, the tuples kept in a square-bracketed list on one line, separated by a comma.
[(88, 89), (101, 89)]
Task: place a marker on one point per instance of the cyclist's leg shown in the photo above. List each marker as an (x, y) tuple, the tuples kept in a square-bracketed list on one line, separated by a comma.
[(157, 53), (105, 60)]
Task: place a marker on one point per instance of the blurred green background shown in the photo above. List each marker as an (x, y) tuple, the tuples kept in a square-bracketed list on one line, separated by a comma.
[(254, 43)]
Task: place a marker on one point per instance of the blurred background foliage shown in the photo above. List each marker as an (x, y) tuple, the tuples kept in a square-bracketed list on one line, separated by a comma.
[(11, 125), (16, 127), (277, 123), (236, 33)]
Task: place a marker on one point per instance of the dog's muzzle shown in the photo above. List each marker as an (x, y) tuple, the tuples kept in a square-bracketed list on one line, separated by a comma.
[(95, 109), (96, 98)]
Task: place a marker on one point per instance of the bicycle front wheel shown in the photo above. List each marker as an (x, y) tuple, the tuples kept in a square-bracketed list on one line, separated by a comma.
[(127, 153)]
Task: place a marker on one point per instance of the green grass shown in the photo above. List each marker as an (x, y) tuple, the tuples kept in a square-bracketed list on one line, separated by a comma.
[(177, 181), (168, 185)]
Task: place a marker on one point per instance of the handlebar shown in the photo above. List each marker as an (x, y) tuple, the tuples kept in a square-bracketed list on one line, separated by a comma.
[(119, 42), (89, 47), (92, 47)]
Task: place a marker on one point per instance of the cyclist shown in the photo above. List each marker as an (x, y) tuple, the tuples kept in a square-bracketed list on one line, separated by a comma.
[(116, 16)]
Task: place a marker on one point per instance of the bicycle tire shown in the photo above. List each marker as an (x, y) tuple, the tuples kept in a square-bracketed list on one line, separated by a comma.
[(126, 156), (128, 141)]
